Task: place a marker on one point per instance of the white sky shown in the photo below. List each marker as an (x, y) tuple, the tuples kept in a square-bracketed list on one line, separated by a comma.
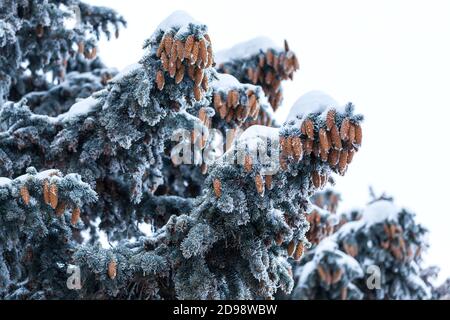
[(390, 58)]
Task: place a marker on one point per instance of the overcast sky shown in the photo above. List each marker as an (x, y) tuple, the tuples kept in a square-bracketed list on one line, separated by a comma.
[(390, 58)]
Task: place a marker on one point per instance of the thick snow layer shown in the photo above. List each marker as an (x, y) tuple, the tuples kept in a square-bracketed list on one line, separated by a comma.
[(313, 102), (326, 244), (245, 49), (380, 211), (225, 82), (177, 19), (47, 174), (4, 182), (82, 107), (261, 132), (257, 136), (126, 71), (348, 228)]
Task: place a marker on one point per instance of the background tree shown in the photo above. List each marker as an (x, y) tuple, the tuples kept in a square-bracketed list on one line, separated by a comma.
[(381, 237)]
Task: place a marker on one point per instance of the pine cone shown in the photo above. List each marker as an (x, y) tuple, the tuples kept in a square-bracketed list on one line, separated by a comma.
[(188, 45), (168, 43), (358, 135), (323, 138), (198, 77), (291, 248), (234, 98), (210, 57), (309, 128), (53, 196), (205, 83), (165, 61), (298, 251), (203, 53), (343, 161), (322, 273), (330, 121), (248, 163), (297, 148), (160, 81), (180, 49), (333, 158), (112, 269), (335, 138), (259, 184), (75, 216), (46, 192), (25, 194), (179, 75), (197, 93), (204, 168), (316, 179), (80, 47), (345, 127), (268, 180), (191, 72), (308, 146), (194, 53), (217, 187), (351, 134)]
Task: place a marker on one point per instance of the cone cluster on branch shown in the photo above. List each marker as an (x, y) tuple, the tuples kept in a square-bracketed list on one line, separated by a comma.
[(335, 144), (50, 197), (306, 140), (323, 142), (320, 226), (239, 106), (266, 69), (323, 220), (188, 56)]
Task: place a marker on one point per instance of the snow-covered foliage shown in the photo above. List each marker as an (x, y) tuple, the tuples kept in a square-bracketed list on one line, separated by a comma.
[(37, 214), (227, 231)]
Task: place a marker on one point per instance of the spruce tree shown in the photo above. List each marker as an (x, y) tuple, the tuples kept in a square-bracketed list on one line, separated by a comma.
[(108, 162)]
